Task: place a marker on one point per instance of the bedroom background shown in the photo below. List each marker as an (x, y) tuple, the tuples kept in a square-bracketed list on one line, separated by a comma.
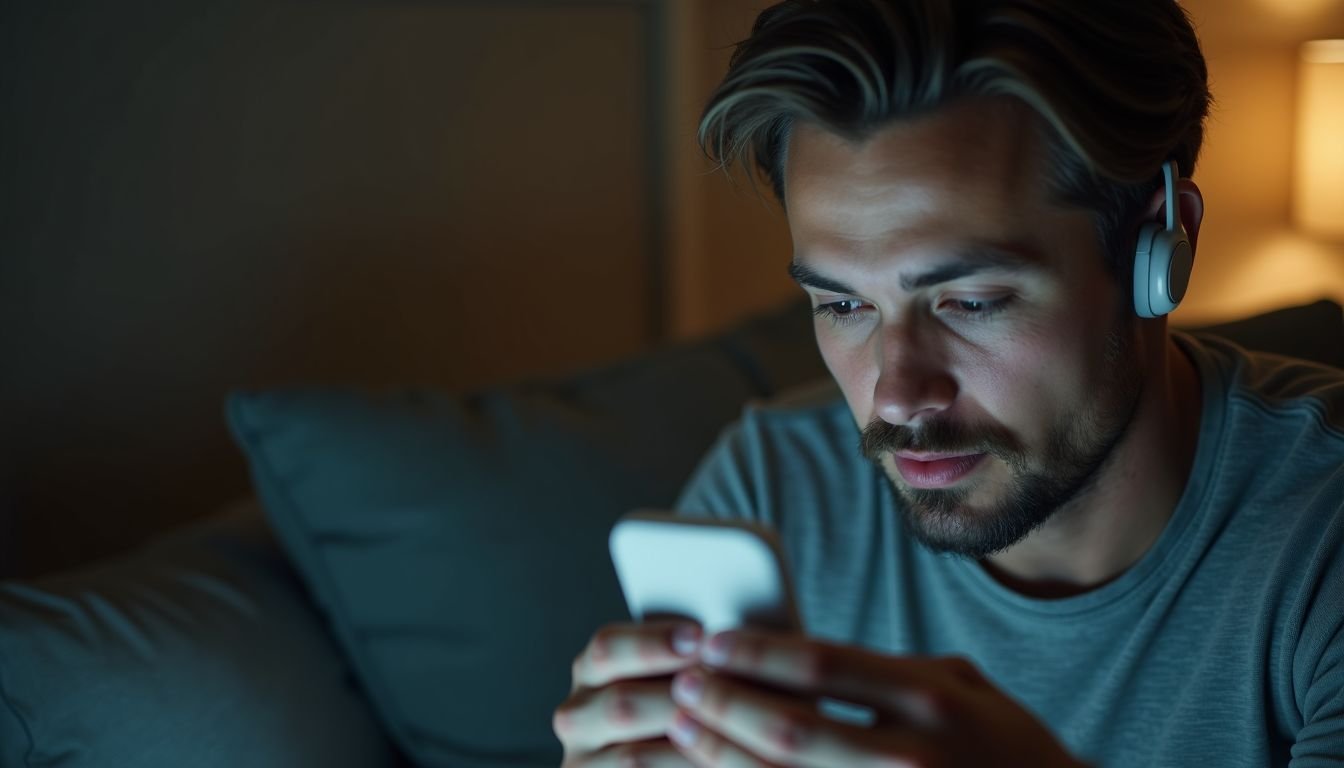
[(374, 193)]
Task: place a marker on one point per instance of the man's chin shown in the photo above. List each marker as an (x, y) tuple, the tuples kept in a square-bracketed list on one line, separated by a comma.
[(962, 530), (972, 519)]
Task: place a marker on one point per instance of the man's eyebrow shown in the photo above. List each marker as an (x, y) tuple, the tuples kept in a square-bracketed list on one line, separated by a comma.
[(810, 278), (966, 263)]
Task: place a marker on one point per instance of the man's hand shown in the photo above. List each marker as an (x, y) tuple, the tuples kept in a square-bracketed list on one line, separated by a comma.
[(620, 708), (754, 703)]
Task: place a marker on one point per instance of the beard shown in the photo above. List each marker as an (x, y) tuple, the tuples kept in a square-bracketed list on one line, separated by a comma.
[(1076, 448)]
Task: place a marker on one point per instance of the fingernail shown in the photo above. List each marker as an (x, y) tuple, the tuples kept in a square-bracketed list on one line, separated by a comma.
[(684, 730), (688, 688), (717, 650), (686, 639)]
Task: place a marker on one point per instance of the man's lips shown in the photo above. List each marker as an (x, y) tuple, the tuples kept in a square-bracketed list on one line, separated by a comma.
[(936, 470)]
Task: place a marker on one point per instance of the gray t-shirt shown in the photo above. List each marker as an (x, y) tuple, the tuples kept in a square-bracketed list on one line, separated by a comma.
[(1224, 644)]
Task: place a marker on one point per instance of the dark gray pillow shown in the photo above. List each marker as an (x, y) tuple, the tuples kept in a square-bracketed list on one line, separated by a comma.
[(458, 545), (201, 650), (1312, 332)]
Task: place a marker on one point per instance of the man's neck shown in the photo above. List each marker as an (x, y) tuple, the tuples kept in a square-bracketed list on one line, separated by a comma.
[(1101, 534)]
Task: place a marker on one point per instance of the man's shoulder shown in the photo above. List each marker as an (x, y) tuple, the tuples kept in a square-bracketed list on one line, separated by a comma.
[(1273, 432), (1295, 393), (799, 449), (812, 414), (1286, 384)]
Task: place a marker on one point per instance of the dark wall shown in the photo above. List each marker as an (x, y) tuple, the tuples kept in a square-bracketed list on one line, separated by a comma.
[(204, 196)]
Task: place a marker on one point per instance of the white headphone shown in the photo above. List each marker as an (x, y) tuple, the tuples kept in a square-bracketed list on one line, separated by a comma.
[(1163, 258)]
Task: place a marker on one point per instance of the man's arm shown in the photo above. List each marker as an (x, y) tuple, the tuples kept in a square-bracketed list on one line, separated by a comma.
[(1318, 661)]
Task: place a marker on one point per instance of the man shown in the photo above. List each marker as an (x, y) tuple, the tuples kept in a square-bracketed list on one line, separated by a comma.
[(1035, 527)]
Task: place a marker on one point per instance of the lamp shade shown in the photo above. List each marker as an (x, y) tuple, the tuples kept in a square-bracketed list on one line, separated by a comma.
[(1318, 193)]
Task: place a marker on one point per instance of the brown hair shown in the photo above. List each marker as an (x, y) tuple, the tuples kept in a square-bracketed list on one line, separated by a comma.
[(1121, 85)]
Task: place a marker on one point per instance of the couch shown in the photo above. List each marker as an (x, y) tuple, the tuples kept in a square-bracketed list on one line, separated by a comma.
[(414, 574)]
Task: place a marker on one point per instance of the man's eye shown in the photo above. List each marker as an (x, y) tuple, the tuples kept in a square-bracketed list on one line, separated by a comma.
[(976, 307), (840, 312)]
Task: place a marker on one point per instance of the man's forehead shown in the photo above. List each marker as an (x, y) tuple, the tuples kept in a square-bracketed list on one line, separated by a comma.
[(935, 193), (975, 166), (995, 140)]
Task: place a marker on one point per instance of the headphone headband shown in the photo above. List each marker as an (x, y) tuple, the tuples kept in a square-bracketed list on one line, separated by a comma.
[(1169, 174)]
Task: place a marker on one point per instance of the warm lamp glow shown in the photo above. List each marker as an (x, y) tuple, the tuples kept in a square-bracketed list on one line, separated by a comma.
[(1318, 192), (1296, 9), (1248, 270)]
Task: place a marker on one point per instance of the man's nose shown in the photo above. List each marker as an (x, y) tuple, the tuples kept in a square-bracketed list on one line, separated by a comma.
[(913, 383)]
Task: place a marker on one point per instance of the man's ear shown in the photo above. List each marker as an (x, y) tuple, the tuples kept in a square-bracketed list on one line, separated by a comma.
[(1190, 202)]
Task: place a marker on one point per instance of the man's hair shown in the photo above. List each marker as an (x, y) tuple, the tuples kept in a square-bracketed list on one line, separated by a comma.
[(1120, 86)]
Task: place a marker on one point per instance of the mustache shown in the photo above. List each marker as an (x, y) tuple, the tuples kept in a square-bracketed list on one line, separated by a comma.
[(937, 436)]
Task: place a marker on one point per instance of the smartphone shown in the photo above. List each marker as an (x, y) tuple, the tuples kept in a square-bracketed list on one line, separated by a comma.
[(722, 574)]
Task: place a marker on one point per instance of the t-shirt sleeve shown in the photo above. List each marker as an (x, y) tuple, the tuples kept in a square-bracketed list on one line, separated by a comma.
[(721, 486), (1318, 668)]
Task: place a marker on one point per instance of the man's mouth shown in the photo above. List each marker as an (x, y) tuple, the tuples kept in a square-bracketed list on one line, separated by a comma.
[(936, 470)]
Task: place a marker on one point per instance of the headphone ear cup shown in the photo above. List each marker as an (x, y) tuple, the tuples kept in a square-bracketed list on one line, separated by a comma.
[(1143, 249), (1163, 261), (1180, 261)]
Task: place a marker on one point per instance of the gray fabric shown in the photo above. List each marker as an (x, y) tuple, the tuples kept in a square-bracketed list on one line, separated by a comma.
[(458, 545), (199, 651), (1222, 646)]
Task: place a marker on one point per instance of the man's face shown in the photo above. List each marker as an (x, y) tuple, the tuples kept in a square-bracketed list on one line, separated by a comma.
[(979, 340)]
